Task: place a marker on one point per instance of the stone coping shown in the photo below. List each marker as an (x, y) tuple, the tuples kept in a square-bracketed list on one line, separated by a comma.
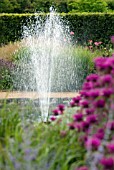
[(35, 95)]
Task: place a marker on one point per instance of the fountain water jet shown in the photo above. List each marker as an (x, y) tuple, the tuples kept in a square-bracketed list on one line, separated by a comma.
[(48, 66)]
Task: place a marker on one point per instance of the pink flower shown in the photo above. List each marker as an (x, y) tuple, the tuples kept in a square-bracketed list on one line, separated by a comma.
[(112, 39), (84, 103), (99, 135), (78, 126), (84, 93), (56, 112), (94, 93), (87, 85), (71, 33), (85, 125), (92, 118), (52, 118), (108, 163), (75, 101), (71, 126), (72, 103), (110, 147), (99, 103), (90, 41), (78, 117), (74, 125), (100, 42), (90, 111), (99, 63), (61, 107), (92, 77), (96, 43), (93, 143), (107, 92), (106, 79)]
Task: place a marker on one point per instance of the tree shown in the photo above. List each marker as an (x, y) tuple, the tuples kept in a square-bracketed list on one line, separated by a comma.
[(25, 5), (87, 6), (5, 6)]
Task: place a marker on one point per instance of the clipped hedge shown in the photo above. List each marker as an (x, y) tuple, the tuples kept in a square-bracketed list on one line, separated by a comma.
[(96, 26)]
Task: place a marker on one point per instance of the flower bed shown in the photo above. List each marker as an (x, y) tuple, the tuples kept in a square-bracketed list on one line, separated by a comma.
[(94, 120)]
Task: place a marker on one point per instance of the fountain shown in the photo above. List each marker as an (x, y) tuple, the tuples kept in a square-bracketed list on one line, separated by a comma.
[(48, 65)]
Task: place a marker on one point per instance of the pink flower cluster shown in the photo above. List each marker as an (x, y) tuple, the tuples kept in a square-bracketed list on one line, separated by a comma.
[(94, 120), (58, 111), (92, 44), (71, 33), (95, 117)]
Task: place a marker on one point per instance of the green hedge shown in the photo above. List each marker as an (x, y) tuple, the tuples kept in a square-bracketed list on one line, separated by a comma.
[(96, 26)]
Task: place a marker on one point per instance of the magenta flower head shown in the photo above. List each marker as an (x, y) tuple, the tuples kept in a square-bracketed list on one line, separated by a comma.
[(82, 168), (99, 63), (112, 39), (74, 125), (109, 63), (84, 93), (87, 85), (75, 101), (93, 143), (56, 112), (99, 103), (107, 92), (92, 77), (110, 147), (99, 135), (99, 60), (71, 125), (108, 163), (72, 103), (84, 103), (94, 93), (90, 111), (106, 79), (100, 130), (85, 126), (61, 107), (78, 117), (52, 118), (92, 118)]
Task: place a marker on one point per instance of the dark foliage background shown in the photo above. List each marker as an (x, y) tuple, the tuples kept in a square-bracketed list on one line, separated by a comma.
[(31, 6)]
